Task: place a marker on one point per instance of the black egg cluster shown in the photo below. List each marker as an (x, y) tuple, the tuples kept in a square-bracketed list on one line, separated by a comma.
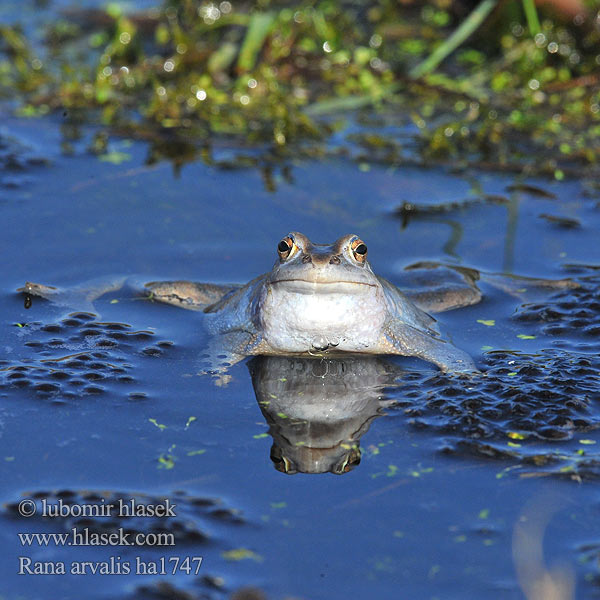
[(15, 159), (573, 315), (546, 397), (78, 356), (589, 558), (187, 526)]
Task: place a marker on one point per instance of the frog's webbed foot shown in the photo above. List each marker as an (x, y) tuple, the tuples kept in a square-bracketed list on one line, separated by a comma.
[(403, 339), (225, 350), (80, 297), (436, 287), (188, 294), (217, 360)]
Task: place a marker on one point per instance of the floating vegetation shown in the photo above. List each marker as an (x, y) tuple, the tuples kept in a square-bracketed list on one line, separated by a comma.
[(564, 222), (500, 87)]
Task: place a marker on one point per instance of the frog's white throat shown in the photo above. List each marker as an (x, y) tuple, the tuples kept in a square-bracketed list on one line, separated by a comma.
[(301, 316)]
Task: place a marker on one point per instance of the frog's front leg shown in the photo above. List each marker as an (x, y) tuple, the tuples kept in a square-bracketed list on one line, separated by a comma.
[(435, 287), (188, 294), (448, 298), (400, 338)]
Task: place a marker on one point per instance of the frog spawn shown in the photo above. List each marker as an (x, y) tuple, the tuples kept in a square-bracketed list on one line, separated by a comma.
[(589, 555), (79, 356), (533, 399), (573, 315), (212, 587), (524, 404), (16, 161)]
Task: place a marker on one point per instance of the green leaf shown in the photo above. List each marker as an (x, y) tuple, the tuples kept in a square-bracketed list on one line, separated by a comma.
[(348, 103), (157, 424), (241, 554), (259, 28), (166, 461), (116, 158), (533, 23), (487, 322), (221, 59)]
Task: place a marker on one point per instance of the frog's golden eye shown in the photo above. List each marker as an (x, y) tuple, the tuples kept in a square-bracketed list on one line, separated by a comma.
[(285, 247), (281, 462), (348, 463), (359, 250)]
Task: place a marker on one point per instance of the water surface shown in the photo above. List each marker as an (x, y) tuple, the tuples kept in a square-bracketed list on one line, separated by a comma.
[(448, 467)]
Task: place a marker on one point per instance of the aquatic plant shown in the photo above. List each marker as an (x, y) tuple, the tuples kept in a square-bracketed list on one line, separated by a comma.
[(496, 86)]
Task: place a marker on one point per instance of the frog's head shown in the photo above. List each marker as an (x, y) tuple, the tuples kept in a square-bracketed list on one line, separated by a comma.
[(321, 297), (307, 268)]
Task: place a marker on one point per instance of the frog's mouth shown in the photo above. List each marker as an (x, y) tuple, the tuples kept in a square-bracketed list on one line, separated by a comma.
[(304, 286)]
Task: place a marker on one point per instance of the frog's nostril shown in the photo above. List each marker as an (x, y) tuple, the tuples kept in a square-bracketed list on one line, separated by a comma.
[(306, 259), (335, 260)]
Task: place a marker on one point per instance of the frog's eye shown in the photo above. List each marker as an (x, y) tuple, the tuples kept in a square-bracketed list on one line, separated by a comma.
[(285, 247), (281, 462), (359, 250), (348, 462)]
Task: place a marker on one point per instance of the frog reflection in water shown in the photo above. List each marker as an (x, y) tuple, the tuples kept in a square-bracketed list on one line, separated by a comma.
[(318, 409), (317, 299)]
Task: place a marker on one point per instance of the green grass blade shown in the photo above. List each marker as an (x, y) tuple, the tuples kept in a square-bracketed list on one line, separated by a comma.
[(533, 23), (259, 28), (221, 59), (348, 103), (464, 30)]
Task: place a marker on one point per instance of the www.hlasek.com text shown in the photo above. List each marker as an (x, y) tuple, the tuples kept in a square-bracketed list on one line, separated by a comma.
[(85, 537)]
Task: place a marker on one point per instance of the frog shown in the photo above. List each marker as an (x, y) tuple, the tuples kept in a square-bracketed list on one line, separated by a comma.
[(317, 300)]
